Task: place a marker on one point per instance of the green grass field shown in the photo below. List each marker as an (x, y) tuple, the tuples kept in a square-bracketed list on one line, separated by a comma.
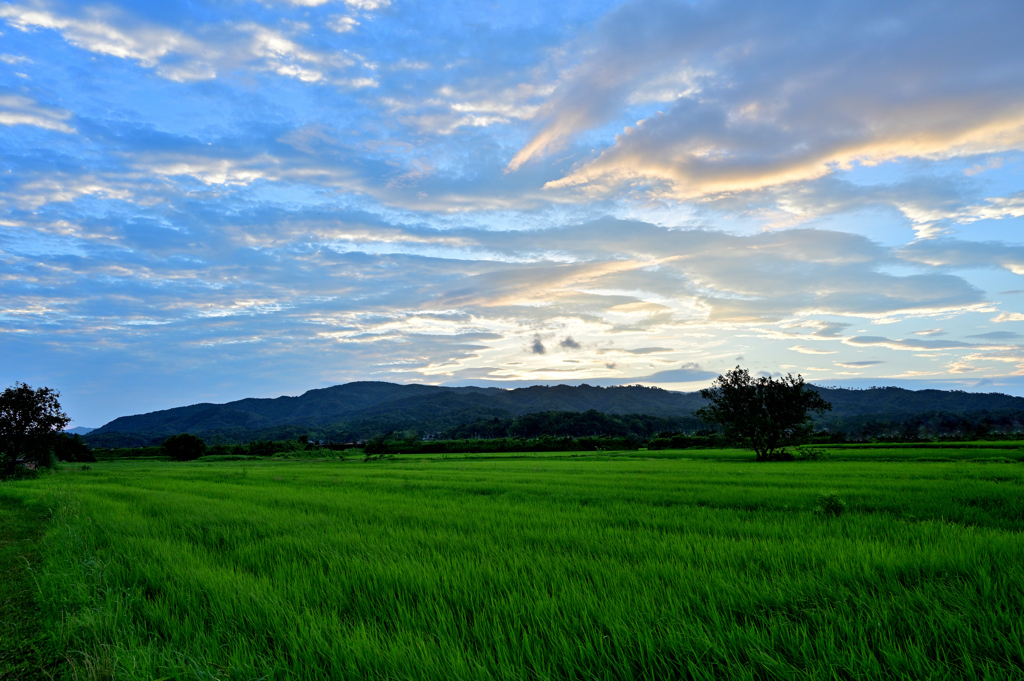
[(643, 565)]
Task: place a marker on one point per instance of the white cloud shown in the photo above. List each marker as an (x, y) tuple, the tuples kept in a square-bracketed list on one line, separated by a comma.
[(994, 208), (97, 32), (284, 56), (358, 83), (188, 72), (341, 24), (368, 5), (811, 351), (453, 108), (61, 187), (186, 58), (216, 171), (17, 110), (1008, 317)]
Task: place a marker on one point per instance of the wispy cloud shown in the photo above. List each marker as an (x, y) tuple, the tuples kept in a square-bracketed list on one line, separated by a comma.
[(109, 32), (191, 56), (906, 344), (811, 351), (18, 110)]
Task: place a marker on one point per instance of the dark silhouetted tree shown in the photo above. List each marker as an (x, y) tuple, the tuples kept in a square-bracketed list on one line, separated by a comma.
[(30, 422), (73, 449), (377, 447), (763, 413), (183, 447)]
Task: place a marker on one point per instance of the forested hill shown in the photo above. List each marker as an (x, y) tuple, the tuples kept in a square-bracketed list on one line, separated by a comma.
[(364, 408), (357, 410), (901, 401)]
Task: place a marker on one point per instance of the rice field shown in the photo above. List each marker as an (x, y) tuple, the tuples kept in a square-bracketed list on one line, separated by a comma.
[(635, 566)]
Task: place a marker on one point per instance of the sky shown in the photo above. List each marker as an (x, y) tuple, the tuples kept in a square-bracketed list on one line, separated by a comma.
[(207, 200)]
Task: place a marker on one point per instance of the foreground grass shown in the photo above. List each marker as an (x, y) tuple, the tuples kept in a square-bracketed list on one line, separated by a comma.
[(26, 652), (537, 568)]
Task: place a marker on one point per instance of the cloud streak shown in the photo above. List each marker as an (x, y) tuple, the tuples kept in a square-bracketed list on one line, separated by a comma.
[(17, 110)]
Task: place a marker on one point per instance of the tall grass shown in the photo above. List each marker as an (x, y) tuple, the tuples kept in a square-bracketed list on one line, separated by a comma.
[(537, 569)]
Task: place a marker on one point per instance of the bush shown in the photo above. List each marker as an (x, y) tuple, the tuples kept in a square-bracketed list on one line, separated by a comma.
[(262, 448), (830, 505), (184, 447)]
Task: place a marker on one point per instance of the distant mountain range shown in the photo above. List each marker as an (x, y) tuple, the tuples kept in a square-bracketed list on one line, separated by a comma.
[(360, 410), (79, 430)]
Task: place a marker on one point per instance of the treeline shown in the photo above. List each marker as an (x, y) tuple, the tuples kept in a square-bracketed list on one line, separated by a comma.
[(240, 436), (933, 425), (590, 430), (386, 445), (490, 426), (590, 423), (194, 447)]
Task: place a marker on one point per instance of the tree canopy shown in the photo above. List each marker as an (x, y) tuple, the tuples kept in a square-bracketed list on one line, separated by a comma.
[(765, 413), (184, 447), (30, 423)]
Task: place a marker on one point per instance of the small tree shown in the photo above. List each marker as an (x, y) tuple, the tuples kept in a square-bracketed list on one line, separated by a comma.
[(377, 447), (30, 422), (764, 413), (183, 447)]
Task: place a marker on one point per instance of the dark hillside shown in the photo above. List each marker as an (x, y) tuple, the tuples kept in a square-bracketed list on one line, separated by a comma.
[(360, 410), (901, 401), (313, 408), (618, 400)]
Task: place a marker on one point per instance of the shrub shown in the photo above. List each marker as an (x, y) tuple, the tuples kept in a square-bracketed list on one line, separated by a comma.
[(830, 505)]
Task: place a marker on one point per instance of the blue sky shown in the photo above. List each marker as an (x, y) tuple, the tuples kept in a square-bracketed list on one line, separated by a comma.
[(203, 201)]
